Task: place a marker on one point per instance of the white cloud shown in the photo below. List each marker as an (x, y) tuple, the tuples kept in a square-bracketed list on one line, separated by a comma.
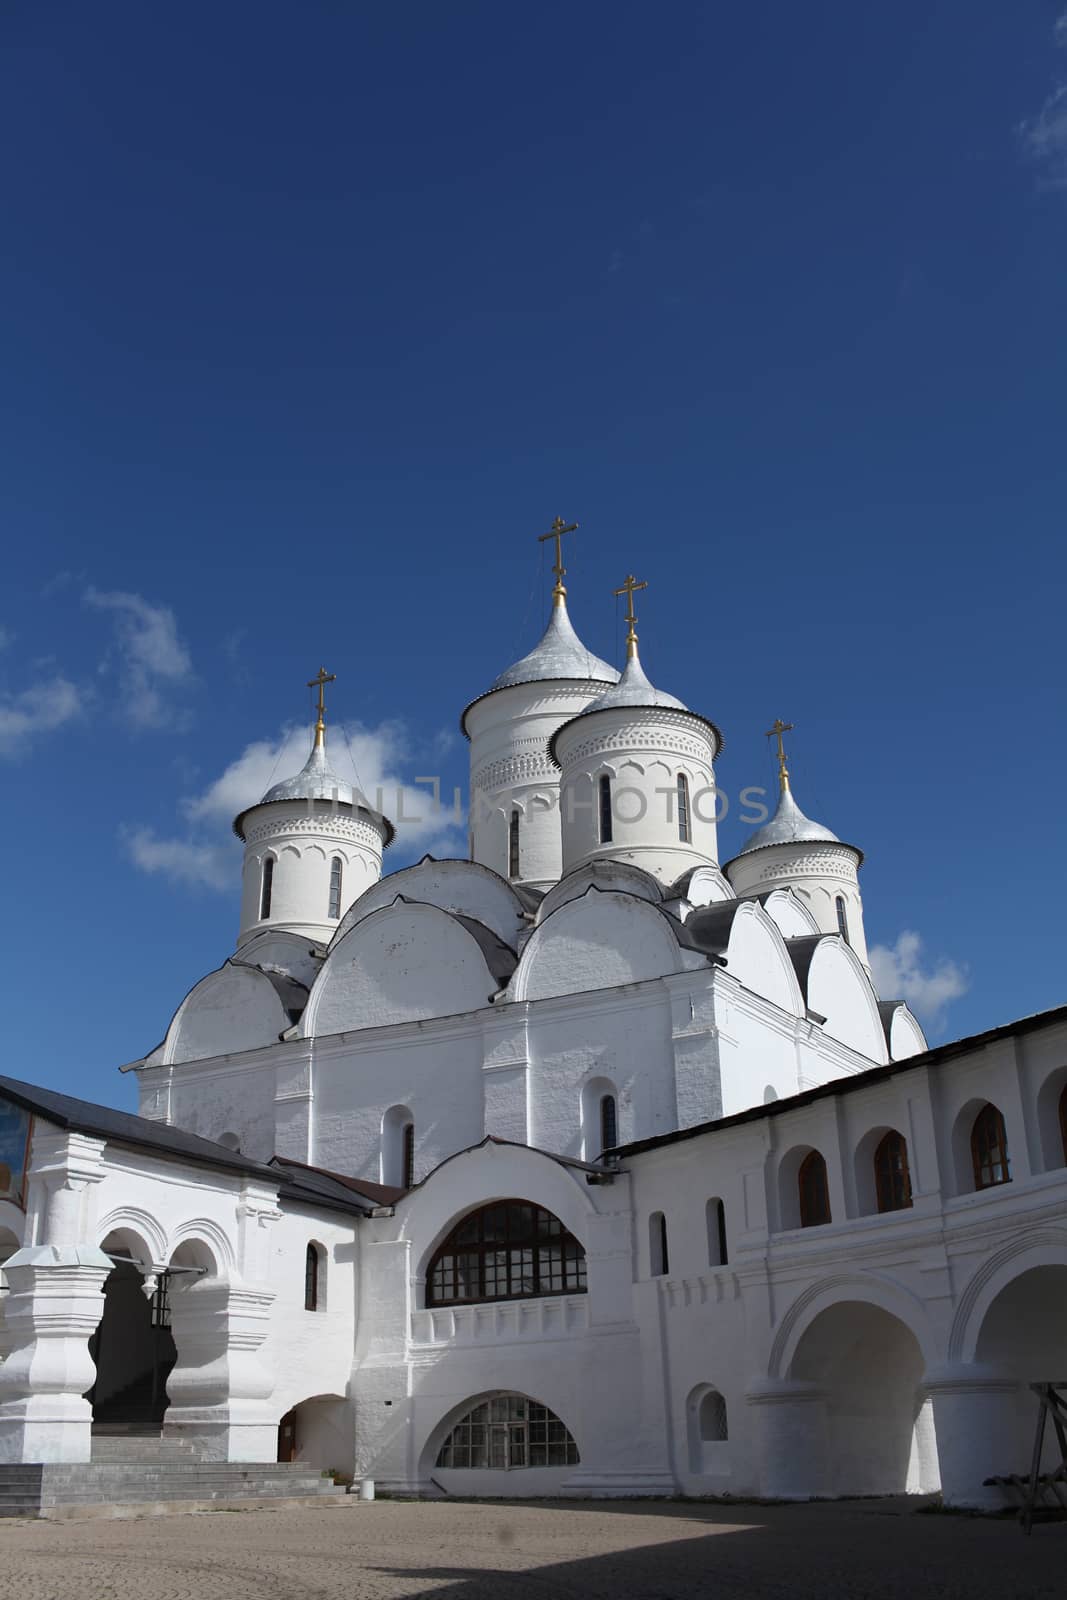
[(899, 975), (153, 657), (1044, 137), (39, 709), (376, 759)]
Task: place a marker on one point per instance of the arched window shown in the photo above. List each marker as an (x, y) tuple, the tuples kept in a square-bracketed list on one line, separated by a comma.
[(605, 810), (510, 1250), (814, 1187), (842, 918), (505, 1432), (1063, 1121), (336, 866), (714, 1426), (989, 1149), (609, 1123), (267, 888), (397, 1160), (312, 1278), (408, 1156), (892, 1180), (513, 844), (715, 1218), (658, 1258), (683, 808)]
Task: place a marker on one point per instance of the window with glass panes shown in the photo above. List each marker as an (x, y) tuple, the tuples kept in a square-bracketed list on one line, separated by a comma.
[(508, 1251), (506, 1432)]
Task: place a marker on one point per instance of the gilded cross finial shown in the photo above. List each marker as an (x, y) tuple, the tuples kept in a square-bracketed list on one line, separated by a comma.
[(629, 589), (776, 732), (320, 681), (557, 530)]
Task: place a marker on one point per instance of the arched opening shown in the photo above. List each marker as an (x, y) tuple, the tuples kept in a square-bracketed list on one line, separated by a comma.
[(1052, 1120), (878, 1432), (842, 917), (883, 1175), (314, 1277), (600, 1117), (715, 1224), (1024, 1336), (604, 791), (336, 872), (684, 825), (813, 1184), (709, 1432), (504, 1434), (133, 1347), (318, 1431), (397, 1146), (266, 891), (509, 1250), (991, 1163), (514, 823), (658, 1256)]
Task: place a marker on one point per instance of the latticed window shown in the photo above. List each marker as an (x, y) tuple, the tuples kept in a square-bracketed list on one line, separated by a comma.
[(989, 1149), (892, 1180), (268, 888), (609, 1122), (508, 1251), (311, 1278), (506, 1432), (683, 808), (842, 917), (814, 1186), (159, 1306), (336, 866), (605, 810), (513, 845)]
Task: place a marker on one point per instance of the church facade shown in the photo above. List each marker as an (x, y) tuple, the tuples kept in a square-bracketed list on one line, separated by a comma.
[(587, 1165)]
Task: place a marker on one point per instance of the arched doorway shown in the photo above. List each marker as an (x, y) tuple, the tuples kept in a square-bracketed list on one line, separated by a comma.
[(132, 1346), (868, 1367), (1024, 1336)]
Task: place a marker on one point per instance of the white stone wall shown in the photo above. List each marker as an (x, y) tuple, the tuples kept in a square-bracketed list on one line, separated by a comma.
[(819, 874), (303, 839)]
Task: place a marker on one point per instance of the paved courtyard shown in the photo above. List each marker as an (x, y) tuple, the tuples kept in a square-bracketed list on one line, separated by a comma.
[(554, 1551)]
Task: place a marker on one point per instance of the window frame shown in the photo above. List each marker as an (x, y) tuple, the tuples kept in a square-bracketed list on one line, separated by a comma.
[(892, 1183), (841, 910), (609, 1122), (544, 1247), (990, 1155), (266, 887), (514, 846), (607, 831), (312, 1277), (337, 867), (685, 826), (407, 1156), (512, 1427)]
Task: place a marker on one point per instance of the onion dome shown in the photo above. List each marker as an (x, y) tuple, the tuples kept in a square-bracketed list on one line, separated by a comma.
[(789, 825), (560, 655)]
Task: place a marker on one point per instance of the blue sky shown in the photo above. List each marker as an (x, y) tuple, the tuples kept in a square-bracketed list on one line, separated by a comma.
[(315, 316)]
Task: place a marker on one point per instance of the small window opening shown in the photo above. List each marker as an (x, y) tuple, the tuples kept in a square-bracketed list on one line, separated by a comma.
[(267, 889), (609, 1123), (513, 845), (657, 1244), (335, 886), (842, 918), (683, 808), (605, 810), (814, 1188), (408, 1157)]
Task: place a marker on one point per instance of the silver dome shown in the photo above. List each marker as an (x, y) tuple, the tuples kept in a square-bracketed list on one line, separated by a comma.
[(316, 780), (560, 654), (789, 825), (633, 689)]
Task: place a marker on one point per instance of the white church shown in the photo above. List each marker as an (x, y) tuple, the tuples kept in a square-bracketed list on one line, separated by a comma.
[(586, 1166)]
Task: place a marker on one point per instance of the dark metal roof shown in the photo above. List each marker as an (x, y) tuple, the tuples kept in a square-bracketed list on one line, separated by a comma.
[(862, 1080), (320, 1186), (123, 1127)]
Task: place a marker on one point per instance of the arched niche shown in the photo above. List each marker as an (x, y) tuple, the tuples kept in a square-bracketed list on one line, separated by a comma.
[(600, 941), (234, 1009), (604, 875), (404, 963), (836, 987)]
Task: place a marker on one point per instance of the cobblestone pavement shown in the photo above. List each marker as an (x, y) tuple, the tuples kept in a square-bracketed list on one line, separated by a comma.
[(546, 1551)]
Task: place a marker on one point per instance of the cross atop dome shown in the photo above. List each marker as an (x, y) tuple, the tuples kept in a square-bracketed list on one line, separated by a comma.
[(629, 589), (557, 530), (321, 679), (776, 732)]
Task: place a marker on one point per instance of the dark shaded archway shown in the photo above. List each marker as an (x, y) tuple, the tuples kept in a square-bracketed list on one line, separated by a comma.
[(133, 1351)]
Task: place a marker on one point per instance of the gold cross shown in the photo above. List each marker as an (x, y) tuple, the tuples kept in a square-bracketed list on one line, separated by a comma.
[(557, 530), (321, 680), (776, 732), (629, 588)]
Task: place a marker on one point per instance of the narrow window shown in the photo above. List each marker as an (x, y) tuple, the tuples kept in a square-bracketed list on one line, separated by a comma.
[(989, 1149), (605, 810), (892, 1181), (714, 1427), (335, 887), (659, 1260), (814, 1189), (311, 1278), (408, 1160), (609, 1123), (513, 845), (683, 808), (842, 919), (268, 886), (715, 1217)]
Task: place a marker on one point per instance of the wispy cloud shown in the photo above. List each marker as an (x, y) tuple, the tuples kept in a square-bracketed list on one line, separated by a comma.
[(1044, 137), (378, 760), (39, 709), (899, 974), (152, 658)]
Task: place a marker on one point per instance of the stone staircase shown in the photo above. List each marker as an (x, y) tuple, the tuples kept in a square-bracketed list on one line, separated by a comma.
[(132, 1475)]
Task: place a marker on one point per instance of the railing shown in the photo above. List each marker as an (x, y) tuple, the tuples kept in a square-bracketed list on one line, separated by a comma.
[(559, 1316)]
